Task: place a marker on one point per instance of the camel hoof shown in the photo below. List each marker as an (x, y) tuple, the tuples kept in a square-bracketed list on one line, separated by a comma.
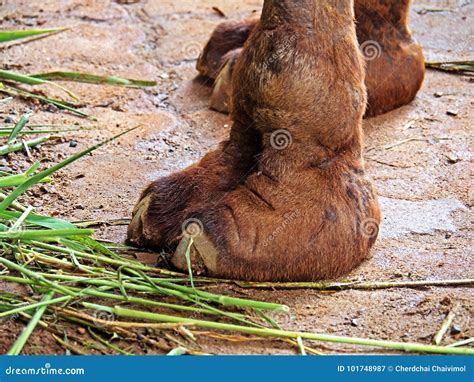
[(138, 234)]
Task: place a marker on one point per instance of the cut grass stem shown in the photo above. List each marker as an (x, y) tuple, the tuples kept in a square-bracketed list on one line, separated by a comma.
[(13, 147), (466, 66), (402, 346), (49, 234), (93, 79), (364, 285), (6, 36), (8, 75), (27, 308), (16, 92), (18, 127), (448, 321)]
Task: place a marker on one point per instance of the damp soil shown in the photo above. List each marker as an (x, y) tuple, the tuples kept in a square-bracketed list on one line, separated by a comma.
[(419, 157)]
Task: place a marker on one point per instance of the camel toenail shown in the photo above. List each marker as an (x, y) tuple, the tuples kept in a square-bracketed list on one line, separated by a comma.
[(222, 90), (202, 253), (136, 229)]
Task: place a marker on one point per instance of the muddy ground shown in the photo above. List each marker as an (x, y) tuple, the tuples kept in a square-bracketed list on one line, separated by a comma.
[(419, 156)]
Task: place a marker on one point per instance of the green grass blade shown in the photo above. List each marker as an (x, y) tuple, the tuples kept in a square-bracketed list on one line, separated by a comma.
[(12, 180), (25, 94), (18, 127), (18, 223), (96, 246), (6, 36), (28, 80), (45, 173), (188, 262), (93, 79), (44, 234), (33, 168), (38, 220), (15, 205), (226, 300), (6, 131), (7, 149), (16, 180), (17, 77), (36, 277)]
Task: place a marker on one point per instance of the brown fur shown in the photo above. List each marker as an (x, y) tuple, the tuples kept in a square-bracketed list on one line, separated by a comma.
[(394, 77), (394, 74), (226, 37), (296, 213)]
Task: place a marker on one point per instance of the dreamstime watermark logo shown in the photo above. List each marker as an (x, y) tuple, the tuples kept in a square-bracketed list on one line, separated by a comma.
[(281, 50), (7, 319), (192, 228), (369, 228), (281, 317), (281, 139), (16, 230), (290, 217), (102, 318), (13, 54), (192, 50), (47, 369), (371, 50)]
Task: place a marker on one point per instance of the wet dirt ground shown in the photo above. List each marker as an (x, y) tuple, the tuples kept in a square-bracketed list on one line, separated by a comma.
[(419, 156)]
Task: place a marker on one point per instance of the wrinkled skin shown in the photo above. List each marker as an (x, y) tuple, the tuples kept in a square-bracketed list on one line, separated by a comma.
[(286, 197), (394, 61)]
